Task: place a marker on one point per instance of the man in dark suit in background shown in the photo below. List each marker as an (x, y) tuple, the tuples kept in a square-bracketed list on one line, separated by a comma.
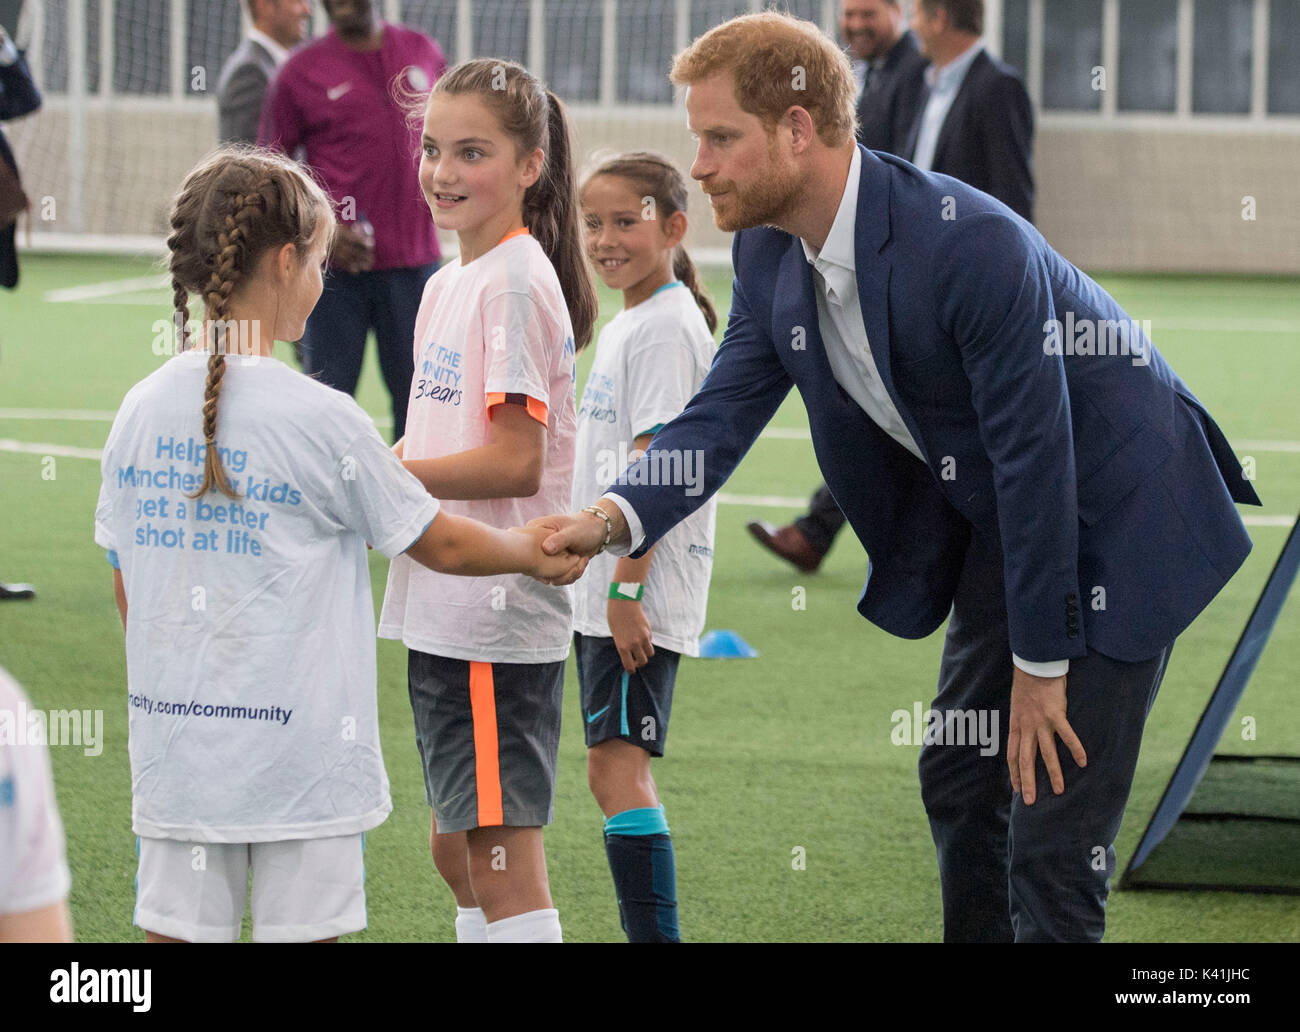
[(889, 72), (974, 122), (888, 68), (278, 27), (18, 97)]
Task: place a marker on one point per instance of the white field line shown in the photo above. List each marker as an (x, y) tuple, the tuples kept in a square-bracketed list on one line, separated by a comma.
[(724, 497), (60, 450), (108, 289)]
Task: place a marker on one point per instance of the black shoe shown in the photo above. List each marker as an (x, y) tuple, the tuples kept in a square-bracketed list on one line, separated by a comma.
[(16, 591)]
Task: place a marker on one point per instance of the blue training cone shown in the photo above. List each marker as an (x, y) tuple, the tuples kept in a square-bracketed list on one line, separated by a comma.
[(725, 645)]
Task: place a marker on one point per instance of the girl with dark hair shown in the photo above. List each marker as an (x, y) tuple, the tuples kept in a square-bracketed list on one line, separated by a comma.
[(490, 430), (633, 619)]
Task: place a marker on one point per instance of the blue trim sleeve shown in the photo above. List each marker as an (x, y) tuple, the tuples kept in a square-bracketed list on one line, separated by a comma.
[(113, 561)]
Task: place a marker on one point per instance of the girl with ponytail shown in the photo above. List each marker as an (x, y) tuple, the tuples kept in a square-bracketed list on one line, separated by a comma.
[(490, 431), (238, 496), (633, 618)]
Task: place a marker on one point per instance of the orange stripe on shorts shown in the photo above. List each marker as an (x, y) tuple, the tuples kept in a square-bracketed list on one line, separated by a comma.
[(487, 765)]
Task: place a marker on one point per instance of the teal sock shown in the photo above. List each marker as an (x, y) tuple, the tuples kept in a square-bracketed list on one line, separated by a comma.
[(641, 860)]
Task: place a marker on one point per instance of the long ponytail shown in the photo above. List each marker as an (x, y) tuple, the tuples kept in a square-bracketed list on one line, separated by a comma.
[(551, 213)]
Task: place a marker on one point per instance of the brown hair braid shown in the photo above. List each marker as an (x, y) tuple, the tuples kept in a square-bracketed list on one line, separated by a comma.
[(238, 203), (654, 175), (534, 117)]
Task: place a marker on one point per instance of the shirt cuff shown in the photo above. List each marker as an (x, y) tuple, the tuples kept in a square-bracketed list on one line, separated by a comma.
[(8, 53), (634, 530), (1055, 668)]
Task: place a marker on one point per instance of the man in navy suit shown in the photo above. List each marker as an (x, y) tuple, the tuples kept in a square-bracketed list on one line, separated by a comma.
[(1012, 452), (974, 121), (887, 69)]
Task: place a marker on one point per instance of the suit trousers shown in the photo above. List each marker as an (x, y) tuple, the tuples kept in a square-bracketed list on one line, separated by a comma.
[(1008, 871), (822, 521), (334, 343)]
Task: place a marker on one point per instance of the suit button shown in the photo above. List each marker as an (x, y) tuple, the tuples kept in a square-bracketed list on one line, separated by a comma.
[(1072, 634)]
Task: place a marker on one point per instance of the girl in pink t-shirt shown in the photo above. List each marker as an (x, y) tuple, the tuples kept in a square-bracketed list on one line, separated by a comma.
[(490, 431)]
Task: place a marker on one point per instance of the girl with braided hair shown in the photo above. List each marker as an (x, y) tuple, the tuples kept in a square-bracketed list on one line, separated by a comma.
[(632, 619), (238, 496)]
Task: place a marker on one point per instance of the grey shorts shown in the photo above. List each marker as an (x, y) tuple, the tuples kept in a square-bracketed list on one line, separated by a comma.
[(488, 735)]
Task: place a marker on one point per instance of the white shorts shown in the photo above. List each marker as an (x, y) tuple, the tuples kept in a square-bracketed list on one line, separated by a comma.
[(303, 889)]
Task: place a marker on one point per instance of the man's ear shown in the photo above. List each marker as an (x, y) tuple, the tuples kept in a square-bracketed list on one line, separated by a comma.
[(802, 130)]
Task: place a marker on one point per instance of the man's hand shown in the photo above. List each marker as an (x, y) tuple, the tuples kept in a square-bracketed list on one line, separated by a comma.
[(579, 532), (563, 568), (631, 632), (1037, 717), (352, 251)]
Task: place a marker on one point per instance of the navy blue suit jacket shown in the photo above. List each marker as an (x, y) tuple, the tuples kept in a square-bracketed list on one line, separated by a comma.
[(1090, 471)]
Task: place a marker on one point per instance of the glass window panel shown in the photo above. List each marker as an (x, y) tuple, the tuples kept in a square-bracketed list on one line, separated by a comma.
[(645, 51), (54, 53), (1148, 55), (707, 14), (1015, 35), (212, 34), (1071, 50), (501, 29), (141, 45), (1284, 57), (573, 48), (1221, 44), (436, 18)]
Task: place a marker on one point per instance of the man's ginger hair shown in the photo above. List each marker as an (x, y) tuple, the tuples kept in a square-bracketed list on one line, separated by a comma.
[(777, 62)]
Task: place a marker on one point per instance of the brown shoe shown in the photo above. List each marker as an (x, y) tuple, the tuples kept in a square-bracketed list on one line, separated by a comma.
[(787, 542)]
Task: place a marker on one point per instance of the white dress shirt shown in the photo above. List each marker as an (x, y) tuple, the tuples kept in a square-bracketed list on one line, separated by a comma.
[(944, 83), (844, 336), (8, 52), (278, 53)]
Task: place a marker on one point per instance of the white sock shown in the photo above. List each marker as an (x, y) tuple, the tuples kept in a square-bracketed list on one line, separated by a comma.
[(471, 925), (534, 926)]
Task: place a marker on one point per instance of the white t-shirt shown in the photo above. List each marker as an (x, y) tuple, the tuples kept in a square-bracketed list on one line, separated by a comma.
[(33, 867), (250, 644), (650, 360), (496, 326)]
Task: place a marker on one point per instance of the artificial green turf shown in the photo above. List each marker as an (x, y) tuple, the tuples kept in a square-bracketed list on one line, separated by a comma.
[(788, 751)]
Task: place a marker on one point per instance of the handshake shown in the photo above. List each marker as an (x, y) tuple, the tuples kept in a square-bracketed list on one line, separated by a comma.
[(551, 549), (568, 541)]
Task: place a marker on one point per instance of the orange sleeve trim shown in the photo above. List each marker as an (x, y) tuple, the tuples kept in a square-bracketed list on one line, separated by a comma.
[(537, 409), (487, 764)]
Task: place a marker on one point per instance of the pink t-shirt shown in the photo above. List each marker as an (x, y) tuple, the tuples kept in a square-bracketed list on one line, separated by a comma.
[(338, 105), (496, 326)]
